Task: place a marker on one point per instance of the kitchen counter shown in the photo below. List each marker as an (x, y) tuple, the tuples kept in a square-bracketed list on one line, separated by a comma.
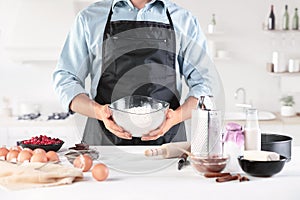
[(77, 119), (69, 130), (281, 125), (165, 183), (40, 122), (289, 120), (295, 120)]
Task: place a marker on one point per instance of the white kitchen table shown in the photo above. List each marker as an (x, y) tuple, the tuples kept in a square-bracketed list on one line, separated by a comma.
[(165, 183)]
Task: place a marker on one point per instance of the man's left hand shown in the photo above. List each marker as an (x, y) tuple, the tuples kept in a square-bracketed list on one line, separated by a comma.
[(171, 120)]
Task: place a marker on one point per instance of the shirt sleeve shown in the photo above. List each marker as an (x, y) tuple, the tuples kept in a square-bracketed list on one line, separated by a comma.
[(196, 65), (73, 64)]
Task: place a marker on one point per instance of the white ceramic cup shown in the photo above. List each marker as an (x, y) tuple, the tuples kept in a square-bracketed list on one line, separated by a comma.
[(28, 108), (210, 28)]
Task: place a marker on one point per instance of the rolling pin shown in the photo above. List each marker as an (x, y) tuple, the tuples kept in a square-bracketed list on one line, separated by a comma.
[(169, 150)]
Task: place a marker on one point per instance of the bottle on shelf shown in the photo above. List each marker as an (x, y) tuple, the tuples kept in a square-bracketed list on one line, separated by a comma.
[(271, 19), (212, 24), (295, 24), (285, 19), (252, 131), (213, 20)]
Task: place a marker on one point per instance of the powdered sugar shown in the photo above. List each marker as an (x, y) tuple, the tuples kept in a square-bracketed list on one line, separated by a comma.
[(140, 116)]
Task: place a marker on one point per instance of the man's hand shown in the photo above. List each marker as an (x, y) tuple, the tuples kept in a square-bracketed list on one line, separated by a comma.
[(172, 118), (84, 105), (182, 113), (104, 113)]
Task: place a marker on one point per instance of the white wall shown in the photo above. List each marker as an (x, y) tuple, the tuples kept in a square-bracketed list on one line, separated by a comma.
[(32, 30), (45, 23)]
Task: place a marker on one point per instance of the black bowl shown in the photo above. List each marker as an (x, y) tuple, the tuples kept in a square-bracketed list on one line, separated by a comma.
[(49, 147), (262, 168), (280, 144)]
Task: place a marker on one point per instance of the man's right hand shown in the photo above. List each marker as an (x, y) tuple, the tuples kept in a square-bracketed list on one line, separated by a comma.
[(105, 114), (84, 105)]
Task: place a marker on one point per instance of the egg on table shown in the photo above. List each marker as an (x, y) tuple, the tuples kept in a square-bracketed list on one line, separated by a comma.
[(52, 156), (3, 152), (39, 150), (83, 162), (100, 172), (12, 155), (39, 157), (24, 155)]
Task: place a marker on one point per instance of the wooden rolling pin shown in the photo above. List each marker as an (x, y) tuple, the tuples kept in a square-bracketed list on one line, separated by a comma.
[(169, 150)]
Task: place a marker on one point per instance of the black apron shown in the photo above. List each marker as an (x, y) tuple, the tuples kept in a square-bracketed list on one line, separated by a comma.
[(138, 58)]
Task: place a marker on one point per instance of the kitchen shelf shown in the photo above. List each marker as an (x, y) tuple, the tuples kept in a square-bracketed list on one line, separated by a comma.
[(282, 31), (280, 74)]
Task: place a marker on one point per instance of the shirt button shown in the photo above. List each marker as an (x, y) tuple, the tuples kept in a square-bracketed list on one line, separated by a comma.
[(129, 9)]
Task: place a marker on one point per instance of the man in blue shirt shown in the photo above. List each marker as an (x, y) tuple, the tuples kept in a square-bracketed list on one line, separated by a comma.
[(133, 47)]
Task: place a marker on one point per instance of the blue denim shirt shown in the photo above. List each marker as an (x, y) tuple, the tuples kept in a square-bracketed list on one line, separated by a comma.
[(81, 56)]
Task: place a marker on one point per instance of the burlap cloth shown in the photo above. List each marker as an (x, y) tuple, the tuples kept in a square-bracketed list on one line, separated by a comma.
[(31, 175)]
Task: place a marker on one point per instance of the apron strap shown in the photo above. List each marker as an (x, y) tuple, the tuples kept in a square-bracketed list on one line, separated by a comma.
[(111, 12), (169, 18), (107, 23)]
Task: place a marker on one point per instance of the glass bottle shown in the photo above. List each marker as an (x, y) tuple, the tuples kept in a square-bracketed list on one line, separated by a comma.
[(295, 24), (252, 131), (213, 20), (212, 24), (271, 19), (285, 22)]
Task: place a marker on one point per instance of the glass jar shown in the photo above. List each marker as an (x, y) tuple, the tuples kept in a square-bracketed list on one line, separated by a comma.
[(252, 131)]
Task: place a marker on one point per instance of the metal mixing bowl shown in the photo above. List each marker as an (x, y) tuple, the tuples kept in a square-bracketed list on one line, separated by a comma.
[(139, 115)]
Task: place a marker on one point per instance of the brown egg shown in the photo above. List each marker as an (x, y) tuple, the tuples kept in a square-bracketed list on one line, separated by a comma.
[(84, 162), (12, 155), (39, 157), (39, 150), (52, 156), (24, 155), (3, 153), (100, 172)]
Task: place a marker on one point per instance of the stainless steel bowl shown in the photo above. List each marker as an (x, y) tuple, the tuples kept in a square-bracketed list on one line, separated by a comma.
[(139, 115)]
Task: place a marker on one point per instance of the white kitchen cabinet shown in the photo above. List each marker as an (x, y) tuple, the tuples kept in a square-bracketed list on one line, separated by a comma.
[(11, 131), (68, 134)]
